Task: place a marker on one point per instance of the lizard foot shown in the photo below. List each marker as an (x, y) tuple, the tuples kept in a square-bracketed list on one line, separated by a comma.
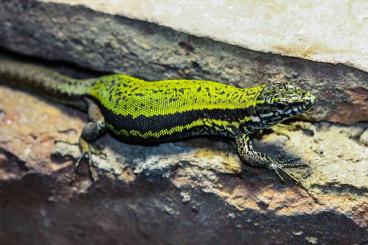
[(86, 153), (279, 166)]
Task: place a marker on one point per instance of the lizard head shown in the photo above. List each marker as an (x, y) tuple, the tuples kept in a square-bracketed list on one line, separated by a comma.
[(280, 101)]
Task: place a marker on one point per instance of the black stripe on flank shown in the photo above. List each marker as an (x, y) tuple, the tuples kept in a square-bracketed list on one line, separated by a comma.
[(160, 122)]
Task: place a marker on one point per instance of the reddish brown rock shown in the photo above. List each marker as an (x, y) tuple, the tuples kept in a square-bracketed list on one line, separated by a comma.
[(354, 110)]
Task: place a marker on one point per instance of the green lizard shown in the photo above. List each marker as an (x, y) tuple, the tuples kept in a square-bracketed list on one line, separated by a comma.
[(135, 110)]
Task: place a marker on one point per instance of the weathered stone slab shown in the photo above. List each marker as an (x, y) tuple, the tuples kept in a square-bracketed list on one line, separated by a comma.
[(327, 31), (113, 43), (195, 189)]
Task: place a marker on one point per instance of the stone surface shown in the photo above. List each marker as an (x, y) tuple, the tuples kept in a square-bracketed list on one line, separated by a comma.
[(117, 213), (316, 30), (193, 191), (112, 43)]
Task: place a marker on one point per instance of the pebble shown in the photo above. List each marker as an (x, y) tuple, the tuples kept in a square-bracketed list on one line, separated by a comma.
[(169, 210), (231, 215), (297, 233), (185, 196), (312, 240)]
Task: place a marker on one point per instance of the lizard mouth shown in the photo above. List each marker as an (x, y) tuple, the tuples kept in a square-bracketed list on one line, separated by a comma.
[(296, 109), (284, 111), (301, 107)]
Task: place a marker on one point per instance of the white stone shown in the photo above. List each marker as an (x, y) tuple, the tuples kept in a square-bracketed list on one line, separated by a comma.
[(334, 31)]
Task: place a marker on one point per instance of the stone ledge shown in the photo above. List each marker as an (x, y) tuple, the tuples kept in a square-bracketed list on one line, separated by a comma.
[(196, 184), (315, 30)]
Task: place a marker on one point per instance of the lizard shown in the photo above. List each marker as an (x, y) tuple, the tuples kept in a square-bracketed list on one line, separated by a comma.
[(140, 111)]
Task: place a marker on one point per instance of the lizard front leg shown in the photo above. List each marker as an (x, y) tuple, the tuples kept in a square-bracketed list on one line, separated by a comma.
[(93, 129), (260, 160)]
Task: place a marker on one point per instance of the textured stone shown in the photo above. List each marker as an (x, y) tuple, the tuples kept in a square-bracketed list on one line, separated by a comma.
[(34, 211), (112, 43), (196, 189), (307, 29)]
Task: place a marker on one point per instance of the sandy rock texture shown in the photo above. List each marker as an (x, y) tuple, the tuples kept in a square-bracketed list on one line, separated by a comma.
[(113, 43)]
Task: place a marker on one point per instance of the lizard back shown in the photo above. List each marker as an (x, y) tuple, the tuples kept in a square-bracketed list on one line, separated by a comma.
[(138, 110)]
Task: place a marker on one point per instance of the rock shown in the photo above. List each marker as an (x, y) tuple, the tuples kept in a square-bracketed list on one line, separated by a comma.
[(174, 191), (193, 191), (113, 43), (287, 28)]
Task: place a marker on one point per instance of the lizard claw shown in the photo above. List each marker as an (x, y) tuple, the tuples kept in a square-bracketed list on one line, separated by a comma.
[(78, 162), (278, 168), (278, 174), (86, 151)]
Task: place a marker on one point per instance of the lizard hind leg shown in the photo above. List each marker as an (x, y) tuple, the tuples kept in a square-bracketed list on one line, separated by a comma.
[(93, 129)]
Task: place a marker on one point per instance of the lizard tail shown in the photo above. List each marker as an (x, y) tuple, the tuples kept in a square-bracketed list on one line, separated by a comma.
[(25, 75)]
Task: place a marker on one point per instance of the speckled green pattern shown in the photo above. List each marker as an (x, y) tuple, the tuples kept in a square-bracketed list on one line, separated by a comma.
[(128, 96), (172, 109)]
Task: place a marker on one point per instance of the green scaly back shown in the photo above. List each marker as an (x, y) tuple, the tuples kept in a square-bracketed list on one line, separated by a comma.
[(129, 96), (135, 108)]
